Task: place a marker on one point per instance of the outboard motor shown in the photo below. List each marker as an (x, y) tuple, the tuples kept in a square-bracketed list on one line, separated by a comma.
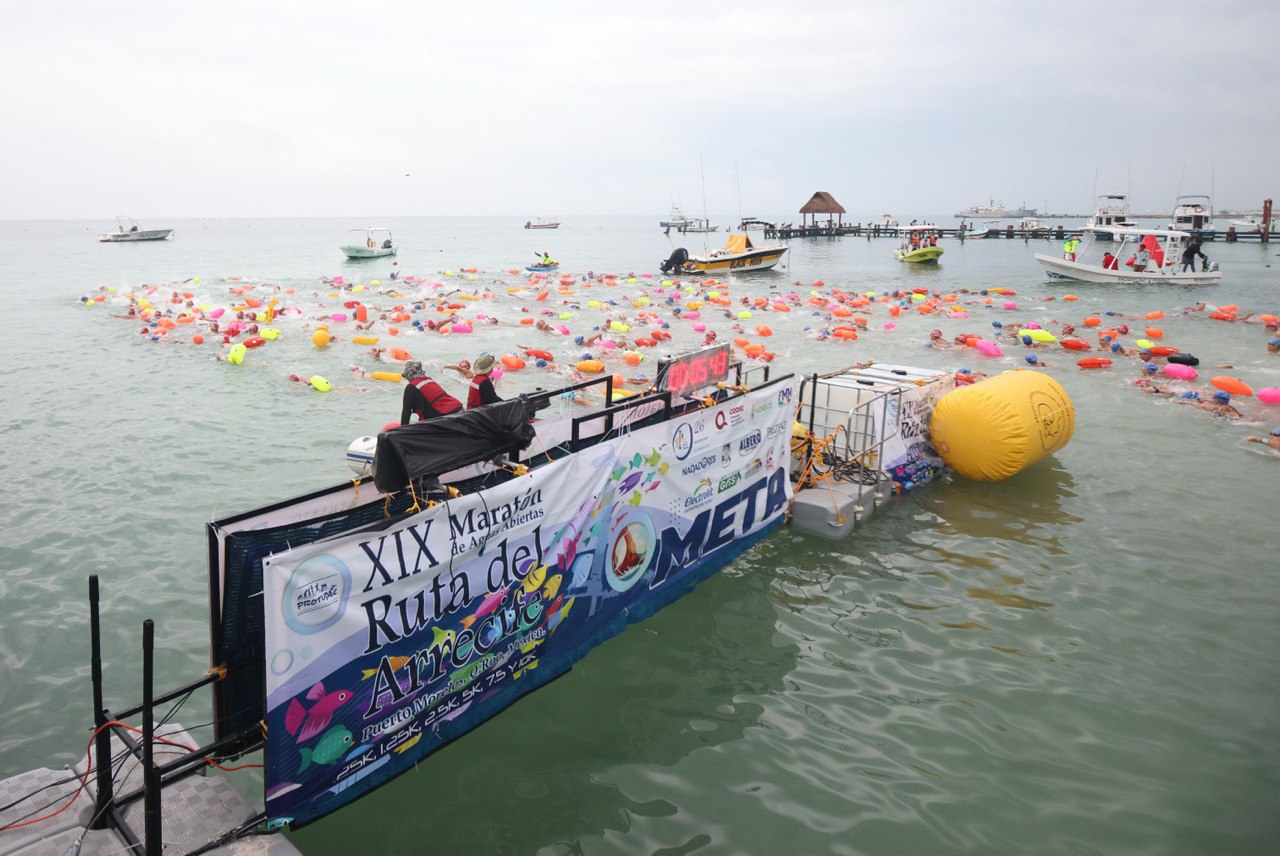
[(677, 260)]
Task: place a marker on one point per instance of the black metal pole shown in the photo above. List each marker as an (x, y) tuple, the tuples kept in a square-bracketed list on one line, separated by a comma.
[(150, 775), (102, 739)]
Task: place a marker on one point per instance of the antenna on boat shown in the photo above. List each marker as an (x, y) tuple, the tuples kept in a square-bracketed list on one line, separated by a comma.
[(738, 183), (706, 218), (1095, 181)]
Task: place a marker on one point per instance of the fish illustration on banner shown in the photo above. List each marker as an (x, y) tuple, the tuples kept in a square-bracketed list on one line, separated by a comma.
[(306, 723)]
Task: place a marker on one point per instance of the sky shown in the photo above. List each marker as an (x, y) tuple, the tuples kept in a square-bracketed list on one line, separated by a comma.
[(287, 109)]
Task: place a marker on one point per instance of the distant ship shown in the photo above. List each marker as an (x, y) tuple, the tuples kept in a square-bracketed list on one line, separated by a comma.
[(995, 211)]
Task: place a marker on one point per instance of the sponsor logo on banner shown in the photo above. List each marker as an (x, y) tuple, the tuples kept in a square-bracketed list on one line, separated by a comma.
[(698, 465), (761, 407), (701, 495), (749, 442), (726, 455), (752, 468), (722, 421), (737, 413), (773, 431), (784, 396), (316, 595), (728, 482), (682, 440)]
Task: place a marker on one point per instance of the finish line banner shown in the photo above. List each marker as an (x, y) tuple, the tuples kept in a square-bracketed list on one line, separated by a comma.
[(383, 646)]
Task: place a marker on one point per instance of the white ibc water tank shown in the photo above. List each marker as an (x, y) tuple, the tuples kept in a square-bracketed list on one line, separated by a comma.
[(360, 455)]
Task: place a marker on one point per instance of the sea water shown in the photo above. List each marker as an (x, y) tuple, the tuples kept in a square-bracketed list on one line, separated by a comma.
[(1081, 659)]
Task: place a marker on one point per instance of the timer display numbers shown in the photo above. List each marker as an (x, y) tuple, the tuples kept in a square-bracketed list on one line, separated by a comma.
[(696, 370)]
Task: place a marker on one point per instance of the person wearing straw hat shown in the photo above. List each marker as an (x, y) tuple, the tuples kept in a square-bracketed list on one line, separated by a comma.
[(424, 396), (481, 391)]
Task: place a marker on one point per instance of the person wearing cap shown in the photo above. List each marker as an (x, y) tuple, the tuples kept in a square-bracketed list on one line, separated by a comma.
[(1069, 247), (1272, 440), (481, 391), (1220, 406), (936, 341), (1273, 346), (1140, 260), (424, 396), (1033, 360)]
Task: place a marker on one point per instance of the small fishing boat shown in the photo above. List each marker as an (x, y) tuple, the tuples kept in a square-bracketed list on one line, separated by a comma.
[(542, 223), (369, 243), (916, 251), (1163, 246), (738, 254), (698, 224), (1112, 212), (128, 232)]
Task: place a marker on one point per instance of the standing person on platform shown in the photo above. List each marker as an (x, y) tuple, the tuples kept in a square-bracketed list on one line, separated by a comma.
[(424, 396)]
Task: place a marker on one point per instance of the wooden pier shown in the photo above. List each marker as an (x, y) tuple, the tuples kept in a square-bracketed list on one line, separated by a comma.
[(788, 231)]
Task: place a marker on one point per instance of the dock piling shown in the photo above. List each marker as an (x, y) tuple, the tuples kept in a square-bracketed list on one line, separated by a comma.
[(150, 775), (102, 736)]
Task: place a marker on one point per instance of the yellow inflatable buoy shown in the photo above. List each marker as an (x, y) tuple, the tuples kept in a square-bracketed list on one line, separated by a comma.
[(394, 377), (320, 384), (590, 367), (320, 338), (994, 429), (365, 340), (236, 355), (269, 333)]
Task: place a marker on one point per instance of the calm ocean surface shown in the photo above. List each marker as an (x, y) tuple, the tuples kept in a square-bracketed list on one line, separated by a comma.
[(1082, 659)]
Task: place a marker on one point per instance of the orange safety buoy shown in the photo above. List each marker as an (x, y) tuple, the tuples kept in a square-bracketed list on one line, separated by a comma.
[(1094, 363), (1074, 344)]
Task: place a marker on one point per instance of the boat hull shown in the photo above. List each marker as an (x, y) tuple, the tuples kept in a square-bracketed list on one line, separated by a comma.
[(1060, 268), (353, 252), (134, 237), (542, 225), (922, 256), (756, 259), (542, 268)]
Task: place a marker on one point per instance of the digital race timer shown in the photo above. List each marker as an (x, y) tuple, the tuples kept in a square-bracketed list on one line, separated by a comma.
[(695, 370)]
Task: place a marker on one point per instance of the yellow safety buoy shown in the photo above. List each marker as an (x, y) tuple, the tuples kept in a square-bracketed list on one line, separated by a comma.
[(319, 384), (365, 340), (393, 377), (236, 355), (994, 429)]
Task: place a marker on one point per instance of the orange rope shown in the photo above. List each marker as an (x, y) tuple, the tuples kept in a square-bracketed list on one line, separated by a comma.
[(84, 780)]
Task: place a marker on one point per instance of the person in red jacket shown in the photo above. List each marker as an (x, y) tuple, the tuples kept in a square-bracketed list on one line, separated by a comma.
[(481, 391), (424, 396)]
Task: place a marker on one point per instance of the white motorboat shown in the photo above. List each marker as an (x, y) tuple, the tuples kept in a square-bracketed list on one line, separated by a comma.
[(1095, 264), (1033, 227), (675, 220), (1193, 213), (889, 222), (128, 232), (369, 243), (698, 224), (542, 223), (1251, 224), (739, 254), (1112, 212)]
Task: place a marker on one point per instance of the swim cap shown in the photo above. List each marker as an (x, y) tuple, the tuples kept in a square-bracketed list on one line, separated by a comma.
[(1150, 368), (935, 332), (1275, 432), (1123, 328), (1106, 337), (1275, 343), (996, 324), (963, 371), (1115, 347), (1144, 351), (1191, 395), (1222, 396), (1031, 358), (578, 340), (1026, 340)]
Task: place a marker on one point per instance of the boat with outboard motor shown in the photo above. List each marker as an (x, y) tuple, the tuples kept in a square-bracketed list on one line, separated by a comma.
[(128, 232), (738, 255), (920, 246), (542, 223), (369, 243), (1162, 247)]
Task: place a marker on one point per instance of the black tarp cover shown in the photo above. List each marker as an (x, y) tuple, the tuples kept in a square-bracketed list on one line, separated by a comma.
[(427, 449)]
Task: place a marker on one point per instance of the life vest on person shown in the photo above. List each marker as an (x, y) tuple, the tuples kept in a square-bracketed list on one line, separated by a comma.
[(473, 392), (441, 401)]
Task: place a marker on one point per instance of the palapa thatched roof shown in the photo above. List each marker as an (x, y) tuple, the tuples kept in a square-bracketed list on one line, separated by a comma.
[(822, 203)]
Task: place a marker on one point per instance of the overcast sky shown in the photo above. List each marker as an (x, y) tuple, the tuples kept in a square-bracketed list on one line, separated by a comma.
[(225, 109)]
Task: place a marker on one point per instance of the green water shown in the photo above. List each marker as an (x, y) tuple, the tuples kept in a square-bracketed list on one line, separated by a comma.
[(1082, 659)]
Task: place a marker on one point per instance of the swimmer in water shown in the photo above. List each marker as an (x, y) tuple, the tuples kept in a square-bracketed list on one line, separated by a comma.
[(937, 342), (1033, 360), (1271, 441), (1273, 346), (1219, 406)]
